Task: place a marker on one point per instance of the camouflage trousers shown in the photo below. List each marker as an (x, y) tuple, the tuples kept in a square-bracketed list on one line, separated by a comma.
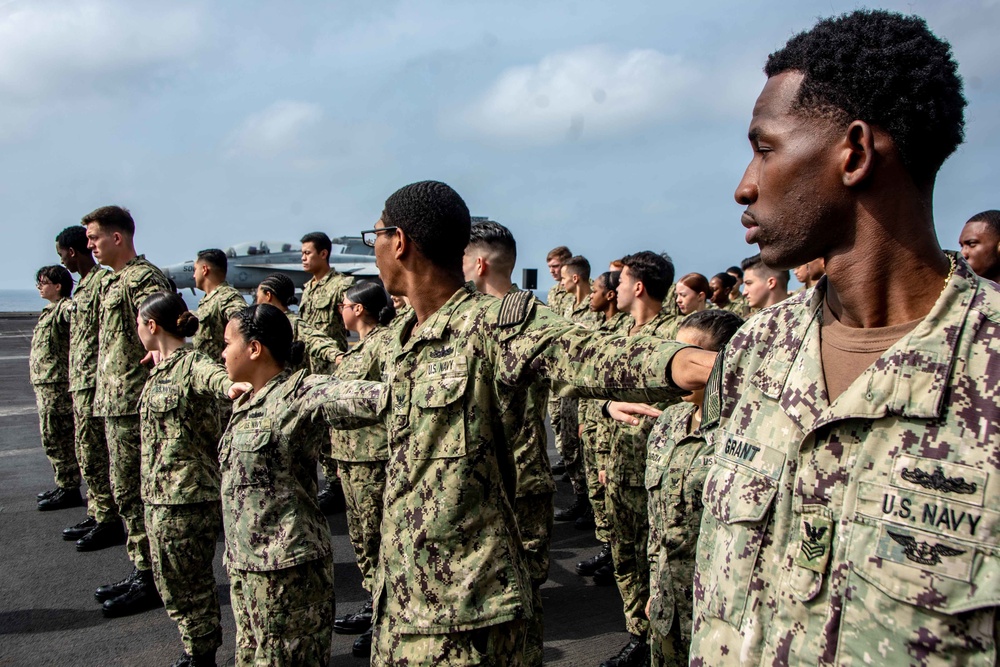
[(668, 650), (92, 453), (593, 462), (568, 443), (182, 546), (534, 523), (329, 466), (671, 608), (628, 510), (284, 618), (364, 485), (55, 422), (124, 446), (499, 645)]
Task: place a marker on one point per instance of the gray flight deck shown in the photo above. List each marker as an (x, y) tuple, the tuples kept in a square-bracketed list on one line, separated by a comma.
[(48, 615)]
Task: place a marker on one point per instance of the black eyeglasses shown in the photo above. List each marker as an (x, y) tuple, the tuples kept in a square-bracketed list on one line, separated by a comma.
[(369, 235)]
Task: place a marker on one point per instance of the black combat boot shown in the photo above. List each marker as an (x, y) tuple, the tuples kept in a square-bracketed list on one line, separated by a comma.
[(42, 495), (331, 499), (140, 596), (355, 623), (362, 646), (188, 660), (605, 575), (103, 535), (574, 511), (633, 654), (559, 467), (114, 590), (588, 567), (78, 530), (61, 499), (586, 522)]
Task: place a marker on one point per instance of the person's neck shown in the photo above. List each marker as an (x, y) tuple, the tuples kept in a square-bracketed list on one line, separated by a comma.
[(167, 345), (581, 292), (365, 328), (775, 296), (428, 287), (498, 286), (610, 311), (84, 265), (126, 256), (643, 310), (55, 299), (320, 273), (211, 283), (722, 301), (262, 374), (893, 271)]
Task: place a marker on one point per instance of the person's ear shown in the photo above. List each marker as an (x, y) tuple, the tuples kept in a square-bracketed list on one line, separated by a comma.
[(858, 153), (771, 282), (118, 238), (480, 266), (256, 349)]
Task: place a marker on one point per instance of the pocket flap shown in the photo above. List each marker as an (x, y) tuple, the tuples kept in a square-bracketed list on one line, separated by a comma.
[(736, 494), (250, 440), (442, 391), (163, 398)]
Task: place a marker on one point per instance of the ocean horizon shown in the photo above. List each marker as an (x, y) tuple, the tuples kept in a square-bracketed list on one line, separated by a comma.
[(28, 301)]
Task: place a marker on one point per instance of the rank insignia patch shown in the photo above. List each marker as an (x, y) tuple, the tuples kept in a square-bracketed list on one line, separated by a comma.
[(816, 534)]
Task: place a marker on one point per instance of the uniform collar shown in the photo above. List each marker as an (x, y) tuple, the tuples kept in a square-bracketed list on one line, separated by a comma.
[(211, 295), (680, 418), (910, 379), (436, 325), (248, 402), (171, 361)]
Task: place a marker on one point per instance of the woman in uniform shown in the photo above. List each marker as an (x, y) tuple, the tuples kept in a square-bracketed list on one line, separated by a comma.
[(278, 290), (362, 454), (180, 425), (692, 293)]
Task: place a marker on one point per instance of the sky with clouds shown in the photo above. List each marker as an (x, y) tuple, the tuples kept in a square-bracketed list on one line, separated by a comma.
[(608, 127)]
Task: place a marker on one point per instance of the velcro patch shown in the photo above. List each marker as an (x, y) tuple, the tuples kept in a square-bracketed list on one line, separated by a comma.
[(514, 308)]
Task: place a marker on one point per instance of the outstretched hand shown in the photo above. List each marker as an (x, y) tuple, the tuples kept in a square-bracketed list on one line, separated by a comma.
[(151, 359), (690, 368), (628, 413), (239, 388)]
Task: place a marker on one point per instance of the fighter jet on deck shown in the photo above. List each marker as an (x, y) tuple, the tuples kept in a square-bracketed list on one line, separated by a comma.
[(249, 263)]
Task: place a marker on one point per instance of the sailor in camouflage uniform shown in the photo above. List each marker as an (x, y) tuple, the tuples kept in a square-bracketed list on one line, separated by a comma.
[(102, 527), (278, 290), (645, 278), (558, 300), (179, 412), (221, 301), (120, 379), (323, 293), (48, 369), (677, 460), (488, 262), (452, 583), (278, 545), (361, 454), (851, 511)]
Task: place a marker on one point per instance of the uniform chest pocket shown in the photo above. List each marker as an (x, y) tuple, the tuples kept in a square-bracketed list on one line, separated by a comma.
[(251, 459), (932, 563), (163, 409), (438, 416), (739, 502)]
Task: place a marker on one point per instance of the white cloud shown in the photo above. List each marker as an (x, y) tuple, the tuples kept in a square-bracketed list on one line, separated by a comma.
[(588, 93), (281, 130), (88, 47)]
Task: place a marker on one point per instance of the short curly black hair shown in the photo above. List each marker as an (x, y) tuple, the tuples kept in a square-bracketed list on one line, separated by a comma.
[(888, 70), (435, 218)]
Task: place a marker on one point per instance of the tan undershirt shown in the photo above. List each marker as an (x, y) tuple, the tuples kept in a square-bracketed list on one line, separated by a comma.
[(847, 352)]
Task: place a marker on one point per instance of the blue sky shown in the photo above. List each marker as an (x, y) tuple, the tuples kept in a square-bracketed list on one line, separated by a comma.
[(608, 127)]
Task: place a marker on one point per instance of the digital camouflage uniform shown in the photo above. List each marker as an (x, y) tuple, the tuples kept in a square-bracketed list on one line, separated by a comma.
[(91, 445), (670, 306), (626, 501), (48, 368), (120, 379), (214, 312), (558, 301), (278, 545), (569, 408), (318, 346), (318, 307), (676, 464), (533, 494), (596, 442), (451, 564), (181, 425), (361, 455), (739, 306), (862, 532)]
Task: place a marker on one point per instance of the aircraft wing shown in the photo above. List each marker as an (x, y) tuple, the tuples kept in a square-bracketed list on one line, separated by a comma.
[(296, 268)]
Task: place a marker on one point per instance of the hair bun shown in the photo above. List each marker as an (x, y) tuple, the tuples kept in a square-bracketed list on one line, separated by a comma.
[(187, 323)]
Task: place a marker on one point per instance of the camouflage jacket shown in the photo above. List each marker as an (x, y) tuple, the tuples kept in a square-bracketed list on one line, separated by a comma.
[(321, 351), (180, 425), (268, 457), (590, 416), (85, 318), (48, 359), (582, 314), (740, 306), (676, 464), (451, 557), (670, 306), (866, 531), (362, 362), (318, 306), (558, 300), (214, 311), (627, 448), (120, 376)]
